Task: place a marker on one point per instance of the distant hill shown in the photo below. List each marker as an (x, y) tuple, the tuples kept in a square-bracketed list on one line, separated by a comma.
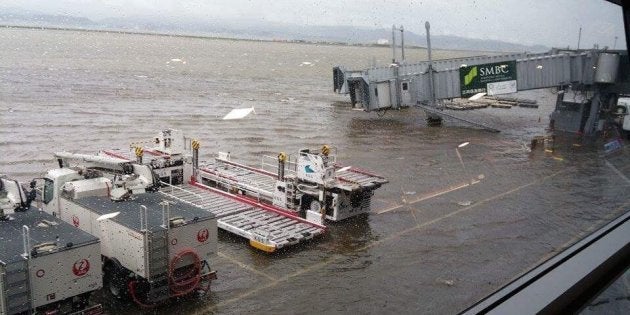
[(10, 16), (255, 30)]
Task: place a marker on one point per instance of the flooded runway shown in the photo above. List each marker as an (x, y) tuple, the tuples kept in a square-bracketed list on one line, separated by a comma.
[(442, 234)]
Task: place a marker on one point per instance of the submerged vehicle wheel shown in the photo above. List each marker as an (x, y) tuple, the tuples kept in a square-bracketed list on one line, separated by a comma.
[(115, 280), (80, 302)]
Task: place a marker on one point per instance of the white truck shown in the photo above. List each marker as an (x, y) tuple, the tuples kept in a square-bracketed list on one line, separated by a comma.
[(623, 112), (154, 247), (47, 266)]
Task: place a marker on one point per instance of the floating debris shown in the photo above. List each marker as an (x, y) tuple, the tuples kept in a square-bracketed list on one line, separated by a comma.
[(238, 113), (477, 96), (501, 105), (448, 282), (488, 101)]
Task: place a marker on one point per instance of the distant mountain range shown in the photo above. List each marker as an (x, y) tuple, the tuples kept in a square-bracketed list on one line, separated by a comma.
[(244, 29)]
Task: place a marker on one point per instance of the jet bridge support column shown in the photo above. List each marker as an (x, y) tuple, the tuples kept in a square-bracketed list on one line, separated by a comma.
[(432, 119)]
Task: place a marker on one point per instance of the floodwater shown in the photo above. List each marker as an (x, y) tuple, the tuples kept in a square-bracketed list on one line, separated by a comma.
[(428, 246)]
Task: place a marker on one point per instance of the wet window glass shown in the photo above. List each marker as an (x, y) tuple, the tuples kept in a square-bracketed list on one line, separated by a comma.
[(281, 157), (49, 190)]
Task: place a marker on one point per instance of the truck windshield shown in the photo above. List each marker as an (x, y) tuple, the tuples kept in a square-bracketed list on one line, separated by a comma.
[(48, 190)]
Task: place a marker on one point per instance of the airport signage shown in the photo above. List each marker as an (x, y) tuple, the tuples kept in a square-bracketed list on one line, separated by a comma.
[(490, 78)]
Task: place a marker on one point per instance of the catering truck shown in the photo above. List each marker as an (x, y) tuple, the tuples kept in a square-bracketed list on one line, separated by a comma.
[(154, 247), (47, 266)]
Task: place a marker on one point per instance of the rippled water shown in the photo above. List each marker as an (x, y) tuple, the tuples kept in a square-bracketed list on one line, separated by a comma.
[(423, 250)]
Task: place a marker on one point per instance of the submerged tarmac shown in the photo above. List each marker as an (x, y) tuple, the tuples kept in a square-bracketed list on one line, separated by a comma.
[(442, 234), (439, 237)]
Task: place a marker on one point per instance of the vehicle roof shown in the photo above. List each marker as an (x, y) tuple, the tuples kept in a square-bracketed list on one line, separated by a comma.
[(11, 240), (130, 209)]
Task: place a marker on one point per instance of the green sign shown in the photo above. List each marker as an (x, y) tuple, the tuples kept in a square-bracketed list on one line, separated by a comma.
[(475, 79)]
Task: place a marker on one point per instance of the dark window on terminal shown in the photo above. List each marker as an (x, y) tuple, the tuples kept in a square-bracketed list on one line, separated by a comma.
[(405, 86), (376, 91)]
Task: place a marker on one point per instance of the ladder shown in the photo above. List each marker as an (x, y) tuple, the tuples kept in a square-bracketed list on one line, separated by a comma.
[(16, 287), (158, 264), (291, 191)]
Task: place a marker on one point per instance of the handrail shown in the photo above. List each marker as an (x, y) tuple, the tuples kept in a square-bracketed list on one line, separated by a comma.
[(144, 219), (290, 163), (251, 186), (166, 214), (26, 239), (173, 187)]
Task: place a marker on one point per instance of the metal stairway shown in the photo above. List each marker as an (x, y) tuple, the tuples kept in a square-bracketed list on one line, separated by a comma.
[(157, 259), (16, 287)]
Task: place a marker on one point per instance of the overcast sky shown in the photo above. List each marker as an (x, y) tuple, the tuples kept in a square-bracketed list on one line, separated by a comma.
[(551, 23)]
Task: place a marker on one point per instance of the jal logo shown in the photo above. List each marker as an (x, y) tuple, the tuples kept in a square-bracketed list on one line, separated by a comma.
[(75, 221), (203, 235), (81, 267)]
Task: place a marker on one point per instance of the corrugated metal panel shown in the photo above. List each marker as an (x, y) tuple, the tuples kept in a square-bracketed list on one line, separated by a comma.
[(380, 74), (581, 67), (447, 84), (421, 88), (543, 72)]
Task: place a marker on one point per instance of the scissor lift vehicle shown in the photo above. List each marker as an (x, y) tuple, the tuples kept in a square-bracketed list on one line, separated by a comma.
[(267, 227), (315, 188), (309, 183)]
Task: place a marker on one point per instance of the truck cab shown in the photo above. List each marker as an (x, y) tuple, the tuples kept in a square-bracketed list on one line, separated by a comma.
[(623, 112)]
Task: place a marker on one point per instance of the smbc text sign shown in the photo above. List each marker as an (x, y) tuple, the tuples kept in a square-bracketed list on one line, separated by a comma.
[(491, 78)]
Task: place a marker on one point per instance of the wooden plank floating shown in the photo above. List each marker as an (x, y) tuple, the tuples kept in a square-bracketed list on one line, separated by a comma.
[(489, 101)]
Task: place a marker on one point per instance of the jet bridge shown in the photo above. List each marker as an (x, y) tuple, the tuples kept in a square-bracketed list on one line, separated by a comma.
[(599, 75)]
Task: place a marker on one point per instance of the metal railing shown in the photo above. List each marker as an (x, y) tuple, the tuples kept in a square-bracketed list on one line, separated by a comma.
[(251, 186), (173, 188), (291, 163)]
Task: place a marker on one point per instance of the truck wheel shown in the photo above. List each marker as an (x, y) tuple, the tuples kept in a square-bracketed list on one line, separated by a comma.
[(80, 301), (316, 206), (115, 280)]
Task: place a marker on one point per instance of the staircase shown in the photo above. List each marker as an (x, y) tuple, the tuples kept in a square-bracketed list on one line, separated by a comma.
[(157, 265), (291, 191), (15, 286)]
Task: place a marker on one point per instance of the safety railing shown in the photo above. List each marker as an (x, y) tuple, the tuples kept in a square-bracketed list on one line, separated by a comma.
[(194, 195), (250, 186)]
